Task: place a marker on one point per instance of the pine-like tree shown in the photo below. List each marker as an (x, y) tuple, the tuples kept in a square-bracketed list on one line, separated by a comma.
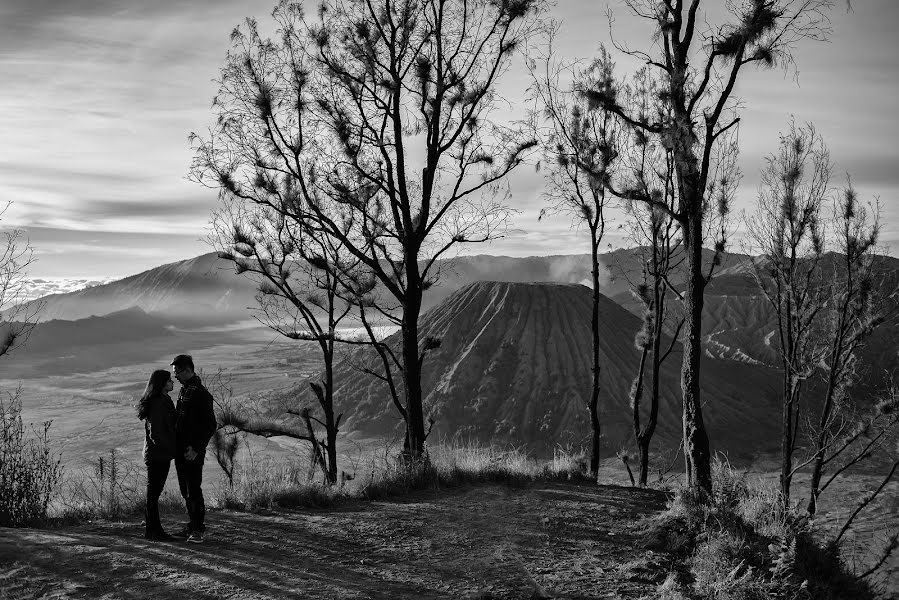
[(699, 65), (371, 123), (580, 150), (788, 232)]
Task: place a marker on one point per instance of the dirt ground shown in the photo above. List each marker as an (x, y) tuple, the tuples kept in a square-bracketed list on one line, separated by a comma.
[(558, 540)]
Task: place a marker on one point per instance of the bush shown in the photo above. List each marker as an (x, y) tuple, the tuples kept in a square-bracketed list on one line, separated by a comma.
[(743, 544), (111, 489), (29, 472)]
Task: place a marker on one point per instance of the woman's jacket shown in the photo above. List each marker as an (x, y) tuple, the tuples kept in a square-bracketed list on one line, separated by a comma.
[(159, 425)]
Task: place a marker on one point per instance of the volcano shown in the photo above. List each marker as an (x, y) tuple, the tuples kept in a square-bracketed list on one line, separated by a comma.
[(513, 367)]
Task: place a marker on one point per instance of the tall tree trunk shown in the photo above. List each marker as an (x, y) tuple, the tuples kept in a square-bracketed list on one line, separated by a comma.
[(411, 365), (787, 437), (642, 442), (821, 447), (657, 329), (330, 423), (595, 368), (835, 371), (696, 441)]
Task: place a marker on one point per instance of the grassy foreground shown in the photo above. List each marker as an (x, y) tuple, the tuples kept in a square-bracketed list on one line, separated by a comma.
[(742, 544)]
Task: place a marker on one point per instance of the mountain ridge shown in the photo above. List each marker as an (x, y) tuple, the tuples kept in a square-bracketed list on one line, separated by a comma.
[(513, 367)]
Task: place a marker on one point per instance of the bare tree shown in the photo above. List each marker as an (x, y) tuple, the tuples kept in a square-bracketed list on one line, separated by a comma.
[(372, 123), (699, 66), (661, 257), (649, 169), (580, 147), (857, 304), (301, 279), (788, 232), (17, 316)]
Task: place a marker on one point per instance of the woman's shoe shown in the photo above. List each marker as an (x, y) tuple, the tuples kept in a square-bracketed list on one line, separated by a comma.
[(158, 536)]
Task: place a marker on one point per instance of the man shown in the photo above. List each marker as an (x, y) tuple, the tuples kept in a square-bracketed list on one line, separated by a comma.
[(194, 425)]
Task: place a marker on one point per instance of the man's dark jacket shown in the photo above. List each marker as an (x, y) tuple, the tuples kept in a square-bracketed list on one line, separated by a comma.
[(195, 420)]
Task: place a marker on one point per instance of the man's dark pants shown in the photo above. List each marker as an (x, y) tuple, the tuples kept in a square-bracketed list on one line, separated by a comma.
[(157, 472), (190, 480)]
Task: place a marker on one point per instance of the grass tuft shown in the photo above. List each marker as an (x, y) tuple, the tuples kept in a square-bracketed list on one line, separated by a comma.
[(743, 544), (455, 465)]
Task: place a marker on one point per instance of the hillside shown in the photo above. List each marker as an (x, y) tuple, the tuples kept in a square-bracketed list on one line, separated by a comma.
[(740, 324), (513, 367), (203, 289)]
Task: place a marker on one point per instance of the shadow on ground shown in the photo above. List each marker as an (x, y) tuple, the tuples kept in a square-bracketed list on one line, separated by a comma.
[(570, 540)]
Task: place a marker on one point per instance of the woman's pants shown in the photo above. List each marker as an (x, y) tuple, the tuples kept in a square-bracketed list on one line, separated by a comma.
[(157, 472)]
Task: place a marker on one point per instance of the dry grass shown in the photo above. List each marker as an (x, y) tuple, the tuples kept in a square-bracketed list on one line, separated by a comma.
[(743, 544), (113, 488), (454, 465)]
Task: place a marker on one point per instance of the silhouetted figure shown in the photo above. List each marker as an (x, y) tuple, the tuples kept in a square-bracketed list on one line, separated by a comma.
[(194, 425), (158, 413)]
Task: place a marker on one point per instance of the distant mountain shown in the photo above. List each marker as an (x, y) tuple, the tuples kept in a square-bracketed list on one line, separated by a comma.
[(740, 324), (513, 367), (129, 325), (204, 289), (89, 345)]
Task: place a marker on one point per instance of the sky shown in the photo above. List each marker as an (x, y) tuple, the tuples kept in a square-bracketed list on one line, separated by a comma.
[(97, 98)]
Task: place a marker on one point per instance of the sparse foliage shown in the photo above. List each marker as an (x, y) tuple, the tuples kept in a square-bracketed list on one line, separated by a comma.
[(788, 230), (17, 316), (299, 273), (580, 147), (371, 123), (698, 65), (29, 470), (859, 302)]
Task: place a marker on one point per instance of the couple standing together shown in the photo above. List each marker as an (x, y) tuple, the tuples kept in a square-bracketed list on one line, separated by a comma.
[(181, 432)]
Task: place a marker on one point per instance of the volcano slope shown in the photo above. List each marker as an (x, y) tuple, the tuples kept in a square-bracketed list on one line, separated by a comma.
[(513, 367)]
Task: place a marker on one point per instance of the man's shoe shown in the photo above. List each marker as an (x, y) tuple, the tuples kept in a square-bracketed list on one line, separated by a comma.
[(183, 533), (158, 536), (195, 538)]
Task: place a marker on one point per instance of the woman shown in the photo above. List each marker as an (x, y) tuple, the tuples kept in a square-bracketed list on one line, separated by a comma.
[(158, 413)]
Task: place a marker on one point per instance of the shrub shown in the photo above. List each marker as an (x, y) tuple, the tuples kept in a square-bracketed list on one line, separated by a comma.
[(269, 484), (742, 543), (113, 488), (29, 471)]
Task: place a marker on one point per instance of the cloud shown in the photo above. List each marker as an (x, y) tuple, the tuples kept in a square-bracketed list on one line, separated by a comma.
[(75, 254), (99, 96), (36, 288)]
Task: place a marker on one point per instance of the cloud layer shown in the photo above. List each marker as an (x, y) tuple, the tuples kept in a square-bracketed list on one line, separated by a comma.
[(100, 95)]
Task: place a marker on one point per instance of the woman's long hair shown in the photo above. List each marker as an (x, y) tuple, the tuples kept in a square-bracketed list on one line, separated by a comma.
[(155, 387)]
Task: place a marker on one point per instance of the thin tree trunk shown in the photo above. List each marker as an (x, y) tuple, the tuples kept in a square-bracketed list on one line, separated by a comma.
[(826, 410), (594, 327), (642, 441), (820, 449), (658, 327), (696, 441), (786, 439), (330, 424)]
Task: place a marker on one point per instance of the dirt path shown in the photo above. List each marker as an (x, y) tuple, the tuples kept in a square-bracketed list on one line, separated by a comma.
[(570, 540)]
